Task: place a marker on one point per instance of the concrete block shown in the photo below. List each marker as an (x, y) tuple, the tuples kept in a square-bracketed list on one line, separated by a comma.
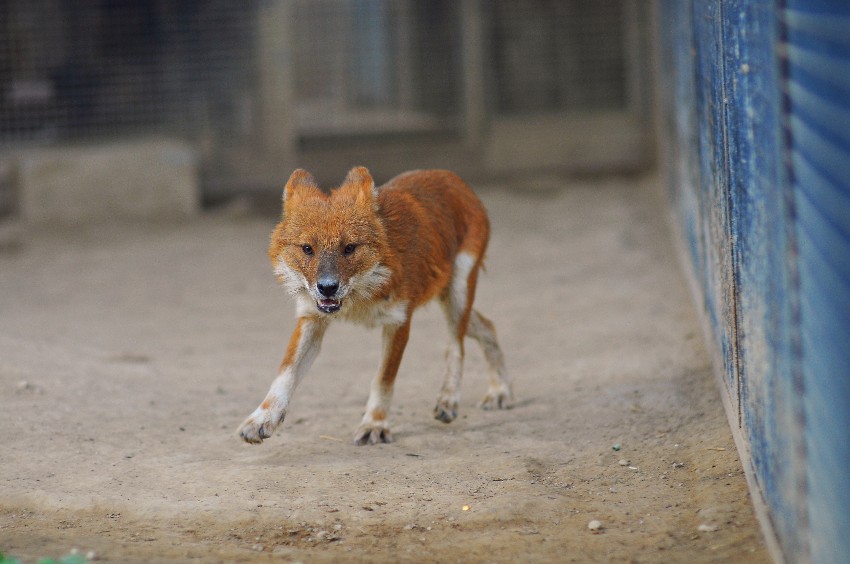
[(147, 178)]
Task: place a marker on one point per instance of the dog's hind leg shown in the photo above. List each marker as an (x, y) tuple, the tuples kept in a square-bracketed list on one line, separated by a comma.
[(499, 392), (457, 306)]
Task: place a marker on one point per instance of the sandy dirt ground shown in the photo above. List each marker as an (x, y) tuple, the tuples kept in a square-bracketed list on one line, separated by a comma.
[(129, 354)]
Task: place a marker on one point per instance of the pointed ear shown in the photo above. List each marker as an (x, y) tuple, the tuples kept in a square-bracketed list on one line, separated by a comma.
[(298, 179), (359, 178)]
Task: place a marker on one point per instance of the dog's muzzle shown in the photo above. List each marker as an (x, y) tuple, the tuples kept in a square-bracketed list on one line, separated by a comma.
[(327, 285), (329, 305)]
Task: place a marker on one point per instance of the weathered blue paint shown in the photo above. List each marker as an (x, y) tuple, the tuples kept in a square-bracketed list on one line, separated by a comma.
[(755, 103), (817, 37), (711, 101), (760, 247)]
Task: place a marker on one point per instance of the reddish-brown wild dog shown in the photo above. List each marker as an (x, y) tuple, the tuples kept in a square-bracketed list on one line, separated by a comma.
[(372, 256)]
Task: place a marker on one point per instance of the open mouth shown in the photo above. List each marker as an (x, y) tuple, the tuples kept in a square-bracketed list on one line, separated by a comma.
[(329, 306)]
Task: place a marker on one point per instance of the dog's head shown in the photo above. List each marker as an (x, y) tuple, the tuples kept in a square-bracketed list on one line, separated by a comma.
[(327, 248)]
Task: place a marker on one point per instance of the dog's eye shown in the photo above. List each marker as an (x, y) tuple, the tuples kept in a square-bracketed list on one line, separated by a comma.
[(349, 248), (308, 250)]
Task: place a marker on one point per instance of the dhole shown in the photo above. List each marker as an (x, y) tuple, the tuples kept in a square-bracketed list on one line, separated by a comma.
[(372, 256)]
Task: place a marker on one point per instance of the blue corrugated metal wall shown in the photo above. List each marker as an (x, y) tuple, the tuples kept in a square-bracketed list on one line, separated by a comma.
[(817, 43), (755, 118)]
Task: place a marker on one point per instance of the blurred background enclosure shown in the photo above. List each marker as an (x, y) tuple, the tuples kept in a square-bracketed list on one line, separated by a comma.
[(116, 109), (242, 92)]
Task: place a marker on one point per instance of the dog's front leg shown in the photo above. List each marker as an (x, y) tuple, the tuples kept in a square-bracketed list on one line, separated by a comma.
[(302, 350), (374, 427)]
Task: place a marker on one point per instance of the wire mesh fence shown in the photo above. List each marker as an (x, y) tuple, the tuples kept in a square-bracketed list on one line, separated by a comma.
[(84, 69), (105, 69), (557, 56), (375, 67)]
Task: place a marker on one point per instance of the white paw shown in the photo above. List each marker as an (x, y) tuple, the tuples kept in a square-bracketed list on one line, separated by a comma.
[(259, 425), (372, 433), (446, 409), (499, 397)]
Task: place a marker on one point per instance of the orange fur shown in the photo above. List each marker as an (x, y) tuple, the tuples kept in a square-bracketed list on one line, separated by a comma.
[(373, 255)]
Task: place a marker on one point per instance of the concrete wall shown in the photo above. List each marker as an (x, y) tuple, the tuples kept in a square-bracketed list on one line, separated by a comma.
[(146, 178)]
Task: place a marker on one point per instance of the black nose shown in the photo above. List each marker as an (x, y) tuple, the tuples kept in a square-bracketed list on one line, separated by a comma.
[(327, 286)]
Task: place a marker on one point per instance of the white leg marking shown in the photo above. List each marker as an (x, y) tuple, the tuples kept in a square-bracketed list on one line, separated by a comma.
[(374, 427), (454, 306), (464, 263), (499, 393), (270, 414), (449, 398)]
